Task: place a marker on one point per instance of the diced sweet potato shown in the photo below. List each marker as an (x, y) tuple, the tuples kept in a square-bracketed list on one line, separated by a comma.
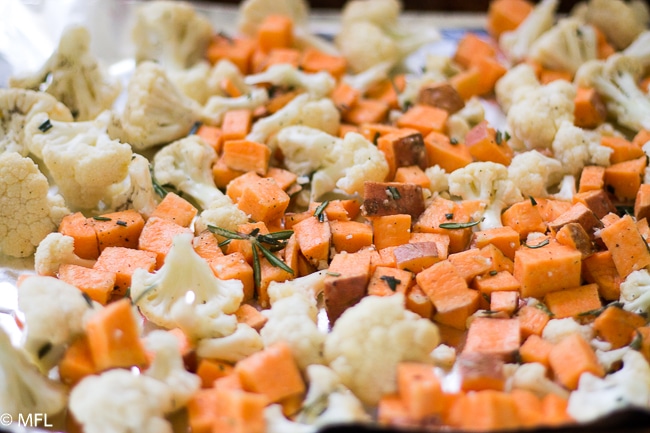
[(389, 198), (345, 283)]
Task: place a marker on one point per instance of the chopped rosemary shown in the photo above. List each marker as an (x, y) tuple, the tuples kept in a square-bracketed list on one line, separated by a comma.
[(88, 299), (393, 192), (158, 188), (121, 223), (532, 200), (333, 274), (195, 128), (375, 138), (453, 226), (637, 341), (391, 281), (44, 350), (506, 135), (452, 140), (144, 293), (274, 242), (493, 272), (486, 297), (227, 37), (598, 311), (45, 126), (101, 218), (449, 216), (320, 211), (539, 245), (544, 308), (499, 137)]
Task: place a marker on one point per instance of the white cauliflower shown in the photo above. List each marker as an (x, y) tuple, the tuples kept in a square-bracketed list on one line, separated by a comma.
[(534, 173), (170, 33), (438, 177), (516, 43), (556, 329), (185, 294), (640, 49), (187, 165), (136, 191), (55, 250), (82, 159), (141, 402), (575, 148), (23, 389), (618, 20), (221, 213), (17, 107), (217, 106), (371, 34), (533, 377), (156, 111), (343, 407), (537, 113), (460, 123), (234, 347), (518, 81), (444, 356), (635, 292), (202, 80), (308, 286), (566, 46), (371, 338), (608, 358), (626, 388), (566, 189), (48, 329), (336, 163), (276, 422), (319, 84), (320, 114), (615, 79), (74, 76), (27, 213), (489, 183), (168, 367), (364, 80)]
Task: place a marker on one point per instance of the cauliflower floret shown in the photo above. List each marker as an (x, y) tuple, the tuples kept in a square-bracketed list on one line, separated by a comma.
[(308, 286), (371, 34), (141, 402), (533, 377), (640, 49), (291, 320), (17, 107), (80, 156), (338, 163), (438, 177), (534, 173), (170, 33), (566, 46), (49, 330), (489, 183), (518, 81), (536, 114), (319, 114), (460, 123), (566, 189), (608, 357), (556, 329), (276, 422), (74, 77), (444, 356), (343, 407), (319, 84), (221, 213), (217, 106), (516, 43), (628, 387), (635, 292), (55, 250), (366, 79), (27, 213), (234, 347), (202, 80), (575, 148), (167, 366), (184, 293), (156, 111), (136, 191), (371, 338), (620, 22), (615, 80), (187, 165), (23, 389)]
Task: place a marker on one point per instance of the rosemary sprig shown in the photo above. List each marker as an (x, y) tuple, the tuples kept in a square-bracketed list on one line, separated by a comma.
[(533, 202), (158, 188), (539, 245), (453, 140), (499, 137), (637, 341), (393, 192), (265, 244), (391, 281), (598, 311), (101, 218), (319, 212), (45, 126), (452, 226)]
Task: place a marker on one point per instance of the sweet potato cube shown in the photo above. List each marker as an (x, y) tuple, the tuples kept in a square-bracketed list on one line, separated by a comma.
[(77, 362), (239, 411), (314, 238), (629, 249), (441, 95), (504, 238), (346, 282), (479, 371), (505, 301), (498, 337), (573, 302), (389, 198), (536, 349), (420, 389), (81, 229), (96, 283), (251, 316), (617, 326), (547, 269), (158, 235), (624, 179), (385, 281), (416, 256), (596, 200), (445, 154), (486, 144), (599, 268), (532, 320), (350, 236), (118, 229), (571, 357), (424, 118), (402, 149), (264, 200), (234, 266), (123, 262), (246, 155), (175, 209), (592, 178), (391, 230)]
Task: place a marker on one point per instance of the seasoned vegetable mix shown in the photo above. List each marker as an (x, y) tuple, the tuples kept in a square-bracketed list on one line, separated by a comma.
[(273, 232)]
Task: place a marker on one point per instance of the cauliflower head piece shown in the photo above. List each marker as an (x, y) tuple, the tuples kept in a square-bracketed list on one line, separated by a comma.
[(17, 108), (223, 213), (74, 76), (55, 250), (336, 163), (371, 338), (136, 191), (620, 21), (615, 80), (49, 330), (635, 292), (170, 33), (140, 400), (202, 80), (575, 148), (518, 81), (184, 293), (516, 43), (536, 115), (489, 183), (156, 111), (253, 12), (534, 173), (234, 347), (27, 213), (319, 84), (23, 389), (187, 165), (82, 159)]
